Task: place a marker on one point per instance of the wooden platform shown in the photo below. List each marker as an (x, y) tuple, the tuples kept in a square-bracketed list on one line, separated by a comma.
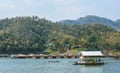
[(19, 56), (88, 63)]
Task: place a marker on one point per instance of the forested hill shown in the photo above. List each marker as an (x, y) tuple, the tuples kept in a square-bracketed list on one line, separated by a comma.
[(90, 19), (35, 35)]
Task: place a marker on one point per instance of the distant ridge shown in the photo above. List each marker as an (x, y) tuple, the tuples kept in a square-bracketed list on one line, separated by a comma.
[(91, 19)]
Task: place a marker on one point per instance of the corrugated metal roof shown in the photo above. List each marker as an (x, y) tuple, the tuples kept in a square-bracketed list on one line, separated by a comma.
[(91, 53)]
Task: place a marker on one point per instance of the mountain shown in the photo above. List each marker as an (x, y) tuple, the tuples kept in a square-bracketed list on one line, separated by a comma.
[(91, 19), (35, 35)]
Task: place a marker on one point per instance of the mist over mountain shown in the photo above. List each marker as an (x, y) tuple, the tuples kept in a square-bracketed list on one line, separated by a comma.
[(91, 19)]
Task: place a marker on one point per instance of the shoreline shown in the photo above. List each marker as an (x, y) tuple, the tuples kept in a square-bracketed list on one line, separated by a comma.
[(43, 56)]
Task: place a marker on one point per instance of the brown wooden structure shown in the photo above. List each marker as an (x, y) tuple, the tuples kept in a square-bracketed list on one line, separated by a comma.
[(42, 56)]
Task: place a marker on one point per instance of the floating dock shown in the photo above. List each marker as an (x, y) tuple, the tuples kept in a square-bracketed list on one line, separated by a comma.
[(42, 56)]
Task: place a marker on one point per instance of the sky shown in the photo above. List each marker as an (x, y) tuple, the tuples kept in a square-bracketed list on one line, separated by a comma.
[(56, 10)]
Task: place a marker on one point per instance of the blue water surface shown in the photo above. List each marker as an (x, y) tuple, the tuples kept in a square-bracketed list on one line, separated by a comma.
[(63, 66)]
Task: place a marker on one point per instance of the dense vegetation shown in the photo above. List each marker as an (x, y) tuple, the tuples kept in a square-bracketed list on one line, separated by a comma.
[(34, 35), (90, 19)]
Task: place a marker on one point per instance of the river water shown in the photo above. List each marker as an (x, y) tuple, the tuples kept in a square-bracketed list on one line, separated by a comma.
[(63, 66)]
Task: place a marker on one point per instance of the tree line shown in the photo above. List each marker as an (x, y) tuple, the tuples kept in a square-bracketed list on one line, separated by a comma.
[(35, 35)]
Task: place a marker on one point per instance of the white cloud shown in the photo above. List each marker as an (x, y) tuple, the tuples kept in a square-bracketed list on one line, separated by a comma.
[(7, 6), (28, 1)]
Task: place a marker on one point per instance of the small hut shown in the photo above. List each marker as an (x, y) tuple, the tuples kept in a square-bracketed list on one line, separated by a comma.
[(90, 58), (20, 56)]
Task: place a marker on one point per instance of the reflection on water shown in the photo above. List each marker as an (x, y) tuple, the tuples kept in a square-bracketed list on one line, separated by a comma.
[(63, 66), (91, 69)]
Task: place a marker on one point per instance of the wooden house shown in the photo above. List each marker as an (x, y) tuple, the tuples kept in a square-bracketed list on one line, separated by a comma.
[(90, 58)]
